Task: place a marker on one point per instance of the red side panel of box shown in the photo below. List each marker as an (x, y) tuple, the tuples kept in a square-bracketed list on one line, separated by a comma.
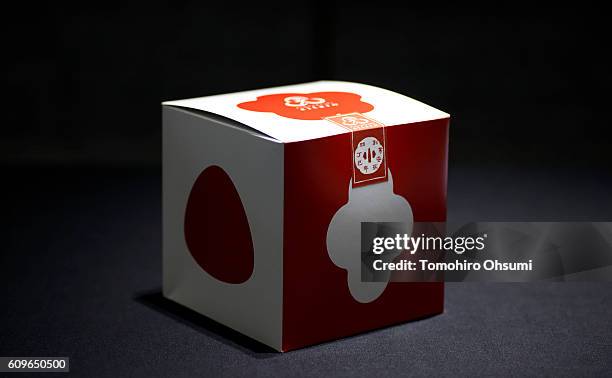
[(317, 304)]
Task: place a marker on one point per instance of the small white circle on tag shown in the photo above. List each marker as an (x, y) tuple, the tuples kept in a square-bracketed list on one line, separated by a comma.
[(369, 155)]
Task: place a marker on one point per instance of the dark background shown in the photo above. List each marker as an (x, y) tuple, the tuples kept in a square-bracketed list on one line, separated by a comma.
[(80, 270), (524, 85)]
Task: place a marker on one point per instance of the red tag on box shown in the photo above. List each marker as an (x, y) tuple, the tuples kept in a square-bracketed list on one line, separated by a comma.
[(368, 141)]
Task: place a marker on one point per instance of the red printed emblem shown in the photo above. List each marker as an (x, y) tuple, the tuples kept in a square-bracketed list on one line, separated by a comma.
[(308, 106)]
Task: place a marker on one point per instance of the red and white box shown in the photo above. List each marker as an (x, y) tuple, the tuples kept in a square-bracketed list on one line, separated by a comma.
[(264, 193)]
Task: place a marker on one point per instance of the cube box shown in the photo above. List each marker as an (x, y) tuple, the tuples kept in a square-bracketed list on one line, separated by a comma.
[(264, 193)]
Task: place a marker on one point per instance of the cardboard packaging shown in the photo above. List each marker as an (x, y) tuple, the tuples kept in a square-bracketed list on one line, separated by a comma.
[(264, 192)]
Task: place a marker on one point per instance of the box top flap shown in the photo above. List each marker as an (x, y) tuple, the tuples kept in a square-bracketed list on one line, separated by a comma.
[(297, 112)]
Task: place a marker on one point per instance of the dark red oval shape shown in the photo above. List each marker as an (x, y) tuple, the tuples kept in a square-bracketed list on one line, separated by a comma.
[(217, 231)]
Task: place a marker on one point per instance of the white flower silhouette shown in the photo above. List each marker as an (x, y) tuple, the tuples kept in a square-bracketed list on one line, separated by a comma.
[(371, 203)]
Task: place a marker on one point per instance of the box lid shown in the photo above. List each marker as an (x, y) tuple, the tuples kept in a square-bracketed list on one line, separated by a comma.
[(297, 112)]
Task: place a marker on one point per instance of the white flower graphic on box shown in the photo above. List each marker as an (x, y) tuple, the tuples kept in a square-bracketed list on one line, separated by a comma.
[(372, 203)]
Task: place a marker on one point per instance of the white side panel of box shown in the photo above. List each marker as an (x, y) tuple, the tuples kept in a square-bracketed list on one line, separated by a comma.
[(192, 143)]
